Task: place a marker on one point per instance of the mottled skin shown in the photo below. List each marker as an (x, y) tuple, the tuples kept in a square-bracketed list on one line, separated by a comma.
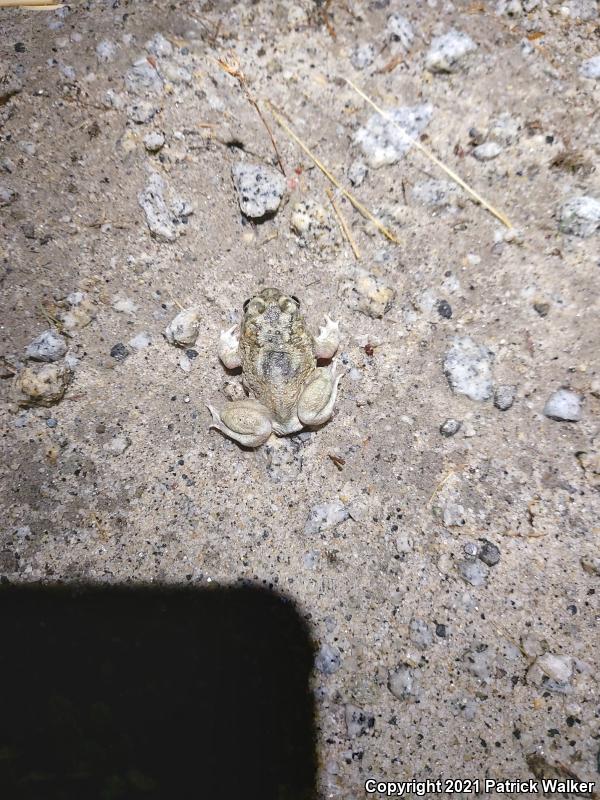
[(278, 356)]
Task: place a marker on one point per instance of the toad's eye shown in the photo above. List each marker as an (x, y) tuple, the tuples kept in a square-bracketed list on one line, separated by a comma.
[(246, 304), (295, 299)]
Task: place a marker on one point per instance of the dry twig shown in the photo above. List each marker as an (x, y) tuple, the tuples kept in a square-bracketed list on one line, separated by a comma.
[(343, 224)]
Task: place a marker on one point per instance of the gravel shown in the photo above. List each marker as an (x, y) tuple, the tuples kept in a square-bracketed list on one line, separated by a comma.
[(358, 722), (402, 683), (325, 517), (474, 572), (143, 78), (184, 328), (468, 368), (166, 213), (399, 29), (488, 553), (7, 195), (154, 141), (362, 56), (487, 151), (48, 346), (41, 386), (370, 295), (563, 406), (435, 193), (580, 216), (259, 188), (504, 397), (119, 351), (380, 141), (357, 172), (142, 112), (450, 427), (448, 53), (591, 68), (328, 660)]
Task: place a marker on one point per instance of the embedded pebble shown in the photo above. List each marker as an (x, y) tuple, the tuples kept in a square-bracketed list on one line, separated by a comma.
[(563, 406), (402, 683), (362, 56), (141, 112), (591, 68), (7, 195), (488, 553), (11, 80), (184, 363), (512, 8), (380, 140), (358, 722), (504, 397), (590, 464), (259, 188), (357, 172), (315, 226), (450, 427), (233, 390), (154, 141), (449, 52), (399, 29), (119, 351), (159, 46), (106, 51), (444, 309), (556, 667), (487, 151), (124, 305), (80, 312), (474, 572), (284, 458), (420, 633), (325, 517), (436, 193), (184, 328), (370, 295), (165, 216), (328, 660), (117, 445), (41, 386), (48, 346), (143, 78), (480, 661), (141, 341), (580, 216), (468, 368)]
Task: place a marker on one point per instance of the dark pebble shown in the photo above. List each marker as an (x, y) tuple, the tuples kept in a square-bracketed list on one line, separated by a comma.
[(444, 309), (440, 630), (191, 354), (450, 427), (119, 351), (20, 47), (51, 423), (488, 553), (542, 308)]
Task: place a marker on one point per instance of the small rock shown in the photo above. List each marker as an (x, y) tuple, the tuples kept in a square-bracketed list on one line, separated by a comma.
[(106, 51), (141, 341), (580, 216), (325, 517), (124, 305), (444, 309), (591, 565), (184, 363), (480, 661), (402, 683), (511, 8), (590, 464), (488, 553), (119, 351), (380, 140), (468, 368), (81, 311), (542, 309), (399, 29), (159, 46), (143, 78), (141, 112), (420, 633), (435, 193), (563, 406), (487, 151), (117, 445), (591, 68), (41, 386), (11, 80), (358, 722), (51, 422), (362, 56), (184, 328), (453, 514), (233, 390), (357, 172), (449, 52), (260, 189), (7, 195), (441, 630), (163, 216), (154, 141), (504, 397), (314, 225), (176, 74), (284, 458), (450, 427), (470, 549), (370, 295), (48, 346), (473, 572), (558, 668), (328, 660)]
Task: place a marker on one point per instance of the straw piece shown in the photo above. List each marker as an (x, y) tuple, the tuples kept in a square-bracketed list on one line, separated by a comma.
[(31, 5), (343, 224), (357, 205), (498, 214)]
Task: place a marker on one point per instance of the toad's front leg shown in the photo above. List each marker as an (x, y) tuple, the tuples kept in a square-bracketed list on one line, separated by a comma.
[(229, 348), (245, 421), (315, 404)]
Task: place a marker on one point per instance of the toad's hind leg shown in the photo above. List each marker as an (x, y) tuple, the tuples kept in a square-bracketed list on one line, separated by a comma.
[(315, 404), (247, 422)]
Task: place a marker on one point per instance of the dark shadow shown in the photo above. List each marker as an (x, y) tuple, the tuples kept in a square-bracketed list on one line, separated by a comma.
[(154, 692)]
